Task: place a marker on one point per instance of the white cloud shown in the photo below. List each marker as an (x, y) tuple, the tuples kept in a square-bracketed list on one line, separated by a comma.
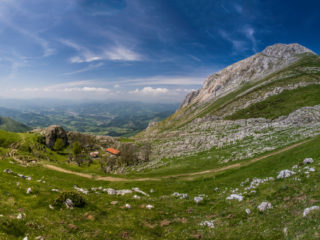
[(86, 89), (150, 91), (115, 53), (120, 53)]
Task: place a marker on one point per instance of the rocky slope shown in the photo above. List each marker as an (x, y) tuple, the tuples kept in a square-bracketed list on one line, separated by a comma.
[(251, 69), (203, 121)]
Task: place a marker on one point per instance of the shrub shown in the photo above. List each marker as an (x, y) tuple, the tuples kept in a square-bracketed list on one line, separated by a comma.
[(58, 145), (76, 198)]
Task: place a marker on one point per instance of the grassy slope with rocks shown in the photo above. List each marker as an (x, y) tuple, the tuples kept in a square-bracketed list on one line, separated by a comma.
[(304, 71), (282, 104), (105, 216)]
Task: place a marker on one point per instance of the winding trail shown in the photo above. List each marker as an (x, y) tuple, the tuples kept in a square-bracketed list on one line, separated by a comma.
[(189, 175)]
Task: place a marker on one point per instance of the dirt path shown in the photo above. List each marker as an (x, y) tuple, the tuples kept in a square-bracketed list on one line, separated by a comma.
[(216, 170)]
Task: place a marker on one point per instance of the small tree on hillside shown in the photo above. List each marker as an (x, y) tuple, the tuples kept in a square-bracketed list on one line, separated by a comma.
[(76, 151), (58, 145), (76, 148)]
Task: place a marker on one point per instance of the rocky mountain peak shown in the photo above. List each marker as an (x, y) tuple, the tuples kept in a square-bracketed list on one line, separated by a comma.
[(251, 69), (285, 50)]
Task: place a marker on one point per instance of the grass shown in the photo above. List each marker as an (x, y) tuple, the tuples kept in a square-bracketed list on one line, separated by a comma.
[(11, 125), (172, 218), (281, 104)]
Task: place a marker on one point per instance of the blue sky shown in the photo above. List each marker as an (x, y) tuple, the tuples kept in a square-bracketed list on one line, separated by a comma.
[(148, 50)]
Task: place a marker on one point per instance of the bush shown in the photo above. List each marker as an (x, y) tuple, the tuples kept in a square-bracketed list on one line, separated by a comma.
[(76, 198), (58, 145), (13, 227)]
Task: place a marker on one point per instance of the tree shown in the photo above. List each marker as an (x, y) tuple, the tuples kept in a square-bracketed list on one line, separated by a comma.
[(58, 145), (76, 148)]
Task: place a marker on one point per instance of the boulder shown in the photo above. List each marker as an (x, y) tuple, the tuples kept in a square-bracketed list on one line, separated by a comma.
[(54, 132), (264, 206)]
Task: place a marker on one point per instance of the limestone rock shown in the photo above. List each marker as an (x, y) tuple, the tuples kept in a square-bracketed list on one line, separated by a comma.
[(251, 69), (54, 132)]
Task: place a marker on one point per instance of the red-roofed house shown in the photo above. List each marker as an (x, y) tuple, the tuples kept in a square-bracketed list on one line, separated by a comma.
[(113, 151)]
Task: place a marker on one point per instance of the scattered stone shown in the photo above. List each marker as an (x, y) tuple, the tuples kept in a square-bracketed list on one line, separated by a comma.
[(29, 190), (55, 190), (136, 197), (25, 238), (164, 222), (8, 171), (151, 190), (51, 207), (209, 224), (285, 173), (139, 191), (180, 195), (149, 207), (82, 190), (39, 238), (114, 202), (19, 216), (111, 191), (307, 161), (198, 199), (128, 206), (69, 204), (248, 211), (264, 206), (308, 210), (285, 231), (235, 197)]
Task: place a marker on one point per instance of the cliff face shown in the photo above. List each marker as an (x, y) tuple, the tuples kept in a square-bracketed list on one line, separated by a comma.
[(251, 69)]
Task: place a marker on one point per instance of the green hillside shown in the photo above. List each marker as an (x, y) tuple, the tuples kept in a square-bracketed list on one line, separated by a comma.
[(105, 216), (11, 125), (281, 104)]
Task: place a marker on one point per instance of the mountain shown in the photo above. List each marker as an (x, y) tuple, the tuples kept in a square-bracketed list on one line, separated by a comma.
[(277, 68), (264, 102), (249, 70), (11, 125)]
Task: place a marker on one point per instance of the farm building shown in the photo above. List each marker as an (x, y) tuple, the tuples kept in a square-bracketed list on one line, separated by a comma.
[(94, 154), (113, 151)]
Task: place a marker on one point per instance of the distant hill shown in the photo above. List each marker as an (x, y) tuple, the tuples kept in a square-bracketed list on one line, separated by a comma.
[(11, 125)]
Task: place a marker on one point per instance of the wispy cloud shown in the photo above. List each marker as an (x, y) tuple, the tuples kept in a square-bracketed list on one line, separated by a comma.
[(237, 45), (114, 53), (249, 33), (164, 80), (47, 50), (90, 67)]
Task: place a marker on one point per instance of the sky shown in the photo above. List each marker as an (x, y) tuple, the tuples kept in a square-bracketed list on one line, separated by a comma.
[(145, 50)]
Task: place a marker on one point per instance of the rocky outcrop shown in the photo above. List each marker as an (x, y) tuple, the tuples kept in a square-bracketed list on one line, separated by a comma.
[(251, 69), (52, 133), (189, 98)]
